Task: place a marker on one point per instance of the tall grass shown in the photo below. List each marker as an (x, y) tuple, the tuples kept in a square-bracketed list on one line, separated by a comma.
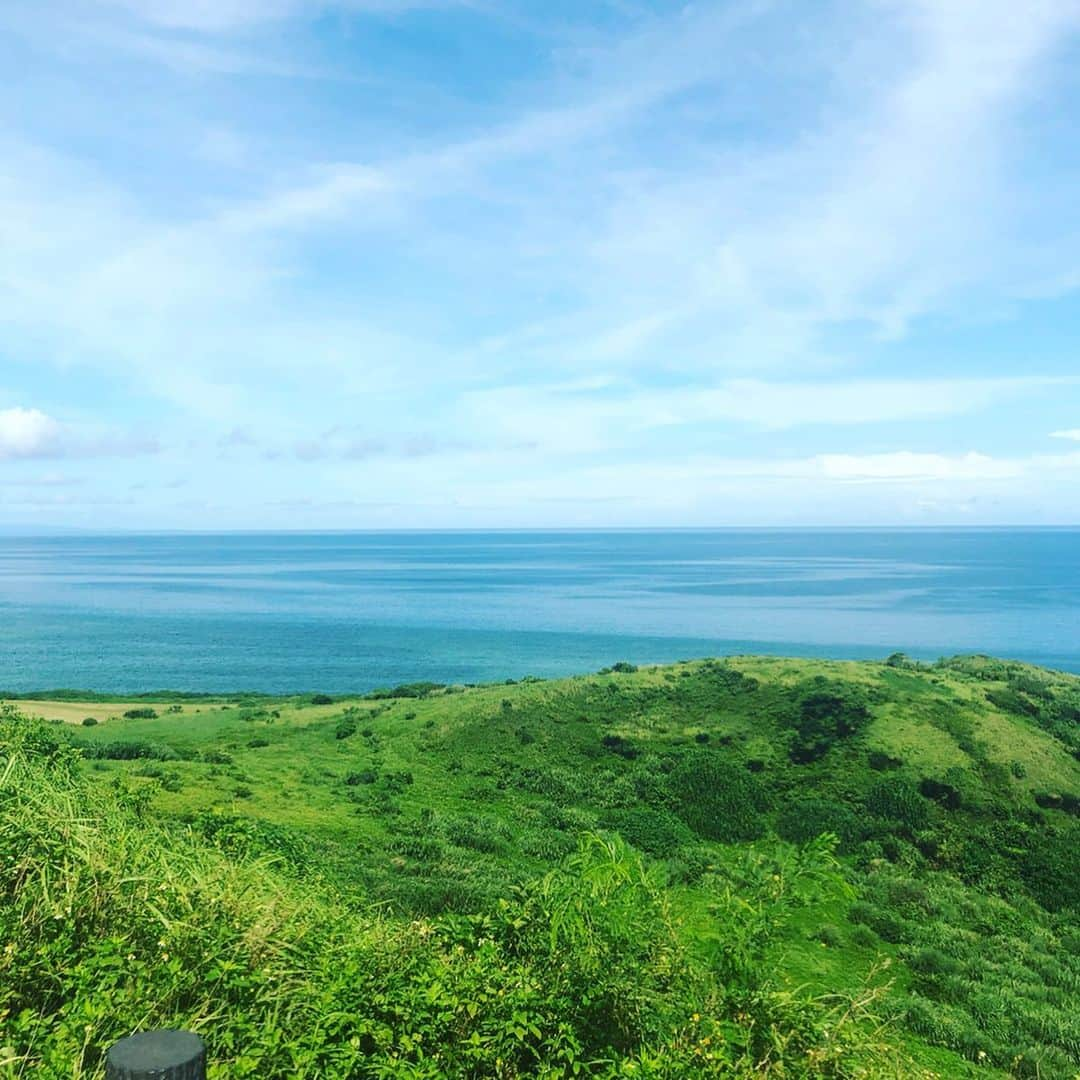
[(111, 922)]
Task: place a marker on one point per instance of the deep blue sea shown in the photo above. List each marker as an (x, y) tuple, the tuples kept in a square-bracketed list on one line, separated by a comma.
[(352, 611)]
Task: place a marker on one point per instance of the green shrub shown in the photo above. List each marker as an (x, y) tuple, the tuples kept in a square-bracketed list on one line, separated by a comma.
[(882, 921), (1009, 700), (620, 745), (1049, 869), (562, 786), (484, 834), (829, 935), (805, 819), (656, 832), (943, 794), (901, 660), (363, 776), (130, 750), (141, 713), (930, 961), (89, 721), (395, 781), (896, 799), (823, 719), (717, 800), (418, 848), (879, 761), (407, 690), (863, 937), (546, 845)]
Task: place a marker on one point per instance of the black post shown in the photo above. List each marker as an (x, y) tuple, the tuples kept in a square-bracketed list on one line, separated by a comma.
[(157, 1055)]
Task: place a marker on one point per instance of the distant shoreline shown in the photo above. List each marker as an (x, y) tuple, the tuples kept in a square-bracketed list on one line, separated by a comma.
[(73, 697), (52, 531)]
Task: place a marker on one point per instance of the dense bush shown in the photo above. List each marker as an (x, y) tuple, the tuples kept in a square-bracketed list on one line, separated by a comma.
[(407, 690), (719, 801), (141, 713), (656, 832), (418, 848), (1008, 699), (879, 761), (940, 792), (362, 776), (485, 834), (896, 799), (990, 980), (824, 718), (129, 750), (346, 727), (620, 745), (1049, 869), (805, 819), (562, 786)]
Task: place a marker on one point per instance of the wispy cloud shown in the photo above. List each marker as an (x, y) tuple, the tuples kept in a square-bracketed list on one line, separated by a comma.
[(582, 416), (760, 233), (229, 15), (1073, 434)]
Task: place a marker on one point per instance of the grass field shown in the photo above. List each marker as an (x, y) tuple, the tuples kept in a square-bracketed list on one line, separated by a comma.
[(949, 793), (75, 712)]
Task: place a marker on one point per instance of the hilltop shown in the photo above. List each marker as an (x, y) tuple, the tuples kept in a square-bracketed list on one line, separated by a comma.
[(735, 867)]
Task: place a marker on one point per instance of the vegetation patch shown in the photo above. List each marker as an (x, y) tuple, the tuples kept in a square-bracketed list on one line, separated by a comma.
[(867, 870)]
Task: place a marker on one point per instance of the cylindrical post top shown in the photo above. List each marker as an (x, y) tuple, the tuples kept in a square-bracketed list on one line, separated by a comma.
[(157, 1055)]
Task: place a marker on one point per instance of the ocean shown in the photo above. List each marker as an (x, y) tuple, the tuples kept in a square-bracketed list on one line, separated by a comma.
[(340, 612)]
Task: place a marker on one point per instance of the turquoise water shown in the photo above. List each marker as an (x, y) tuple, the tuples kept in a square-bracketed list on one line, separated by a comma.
[(336, 612)]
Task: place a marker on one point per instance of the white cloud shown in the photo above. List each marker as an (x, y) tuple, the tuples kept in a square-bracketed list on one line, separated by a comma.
[(28, 433), (1072, 434)]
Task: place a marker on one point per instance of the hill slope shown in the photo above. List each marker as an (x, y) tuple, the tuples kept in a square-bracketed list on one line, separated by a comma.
[(680, 807)]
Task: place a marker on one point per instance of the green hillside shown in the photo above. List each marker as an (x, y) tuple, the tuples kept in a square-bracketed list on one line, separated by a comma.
[(754, 866)]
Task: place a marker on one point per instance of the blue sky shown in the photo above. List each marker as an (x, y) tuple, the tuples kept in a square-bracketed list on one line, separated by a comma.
[(475, 263)]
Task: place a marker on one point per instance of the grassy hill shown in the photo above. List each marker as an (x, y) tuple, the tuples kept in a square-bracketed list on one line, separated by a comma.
[(754, 866)]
